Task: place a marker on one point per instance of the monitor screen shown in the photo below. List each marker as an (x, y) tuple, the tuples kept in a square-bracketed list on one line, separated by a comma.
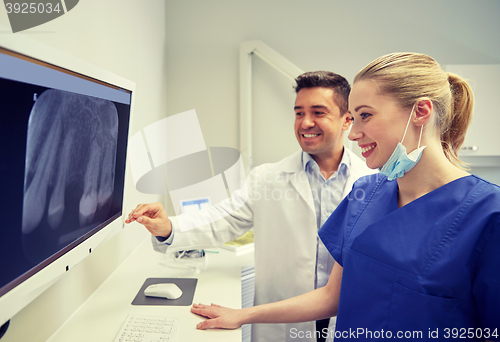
[(63, 146)]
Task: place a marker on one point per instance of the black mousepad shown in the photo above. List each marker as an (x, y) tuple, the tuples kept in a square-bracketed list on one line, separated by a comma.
[(187, 285)]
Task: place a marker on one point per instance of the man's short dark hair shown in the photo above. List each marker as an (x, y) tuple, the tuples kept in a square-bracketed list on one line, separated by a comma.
[(326, 79)]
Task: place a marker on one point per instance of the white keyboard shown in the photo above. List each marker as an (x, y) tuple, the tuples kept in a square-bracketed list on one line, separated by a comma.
[(140, 328)]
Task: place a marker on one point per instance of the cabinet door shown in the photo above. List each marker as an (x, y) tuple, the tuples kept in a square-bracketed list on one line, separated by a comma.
[(483, 135)]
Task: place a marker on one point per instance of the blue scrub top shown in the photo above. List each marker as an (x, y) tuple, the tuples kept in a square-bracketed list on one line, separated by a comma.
[(428, 269)]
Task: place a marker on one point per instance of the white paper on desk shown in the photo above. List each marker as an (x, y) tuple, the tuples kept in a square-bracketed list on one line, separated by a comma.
[(213, 188)]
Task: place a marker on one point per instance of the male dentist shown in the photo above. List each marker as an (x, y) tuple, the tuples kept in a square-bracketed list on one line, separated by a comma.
[(287, 203)]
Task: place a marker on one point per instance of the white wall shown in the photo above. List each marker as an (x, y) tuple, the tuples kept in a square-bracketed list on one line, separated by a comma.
[(341, 36), (125, 37)]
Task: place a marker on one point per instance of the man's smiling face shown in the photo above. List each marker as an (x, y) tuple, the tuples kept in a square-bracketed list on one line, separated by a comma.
[(318, 122)]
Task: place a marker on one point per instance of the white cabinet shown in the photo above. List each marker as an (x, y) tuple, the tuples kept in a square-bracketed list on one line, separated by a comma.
[(483, 136)]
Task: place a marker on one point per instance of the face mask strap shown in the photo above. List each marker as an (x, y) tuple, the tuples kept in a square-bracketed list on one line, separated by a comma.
[(420, 138), (408, 124)]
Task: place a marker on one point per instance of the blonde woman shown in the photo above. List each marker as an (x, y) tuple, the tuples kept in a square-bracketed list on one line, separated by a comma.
[(417, 248)]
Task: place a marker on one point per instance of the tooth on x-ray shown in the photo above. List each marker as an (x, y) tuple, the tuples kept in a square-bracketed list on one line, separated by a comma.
[(70, 159), (56, 204)]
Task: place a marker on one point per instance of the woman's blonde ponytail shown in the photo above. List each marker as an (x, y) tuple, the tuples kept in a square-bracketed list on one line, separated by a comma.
[(454, 126)]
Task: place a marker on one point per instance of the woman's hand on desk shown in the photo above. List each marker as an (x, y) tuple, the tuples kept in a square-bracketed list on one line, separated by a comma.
[(153, 217), (218, 317)]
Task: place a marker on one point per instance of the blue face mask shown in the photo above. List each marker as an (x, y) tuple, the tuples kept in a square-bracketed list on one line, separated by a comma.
[(400, 162)]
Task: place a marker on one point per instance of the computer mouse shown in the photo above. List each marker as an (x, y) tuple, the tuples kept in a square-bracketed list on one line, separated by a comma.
[(164, 290)]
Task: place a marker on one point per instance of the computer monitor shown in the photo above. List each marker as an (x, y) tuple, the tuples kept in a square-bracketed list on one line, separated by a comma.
[(64, 128)]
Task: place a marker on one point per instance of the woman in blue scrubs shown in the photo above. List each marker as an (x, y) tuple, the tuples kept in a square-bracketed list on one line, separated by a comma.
[(417, 246)]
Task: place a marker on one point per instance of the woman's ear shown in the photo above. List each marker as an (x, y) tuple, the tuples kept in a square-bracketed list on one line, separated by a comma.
[(423, 111)]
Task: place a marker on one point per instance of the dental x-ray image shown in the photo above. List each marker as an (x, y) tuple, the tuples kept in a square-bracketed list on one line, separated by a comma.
[(70, 169)]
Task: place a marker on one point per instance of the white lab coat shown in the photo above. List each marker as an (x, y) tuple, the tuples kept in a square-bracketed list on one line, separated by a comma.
[(280, 208)]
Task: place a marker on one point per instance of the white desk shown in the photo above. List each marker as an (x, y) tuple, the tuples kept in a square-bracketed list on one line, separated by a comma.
[(102, 315)]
